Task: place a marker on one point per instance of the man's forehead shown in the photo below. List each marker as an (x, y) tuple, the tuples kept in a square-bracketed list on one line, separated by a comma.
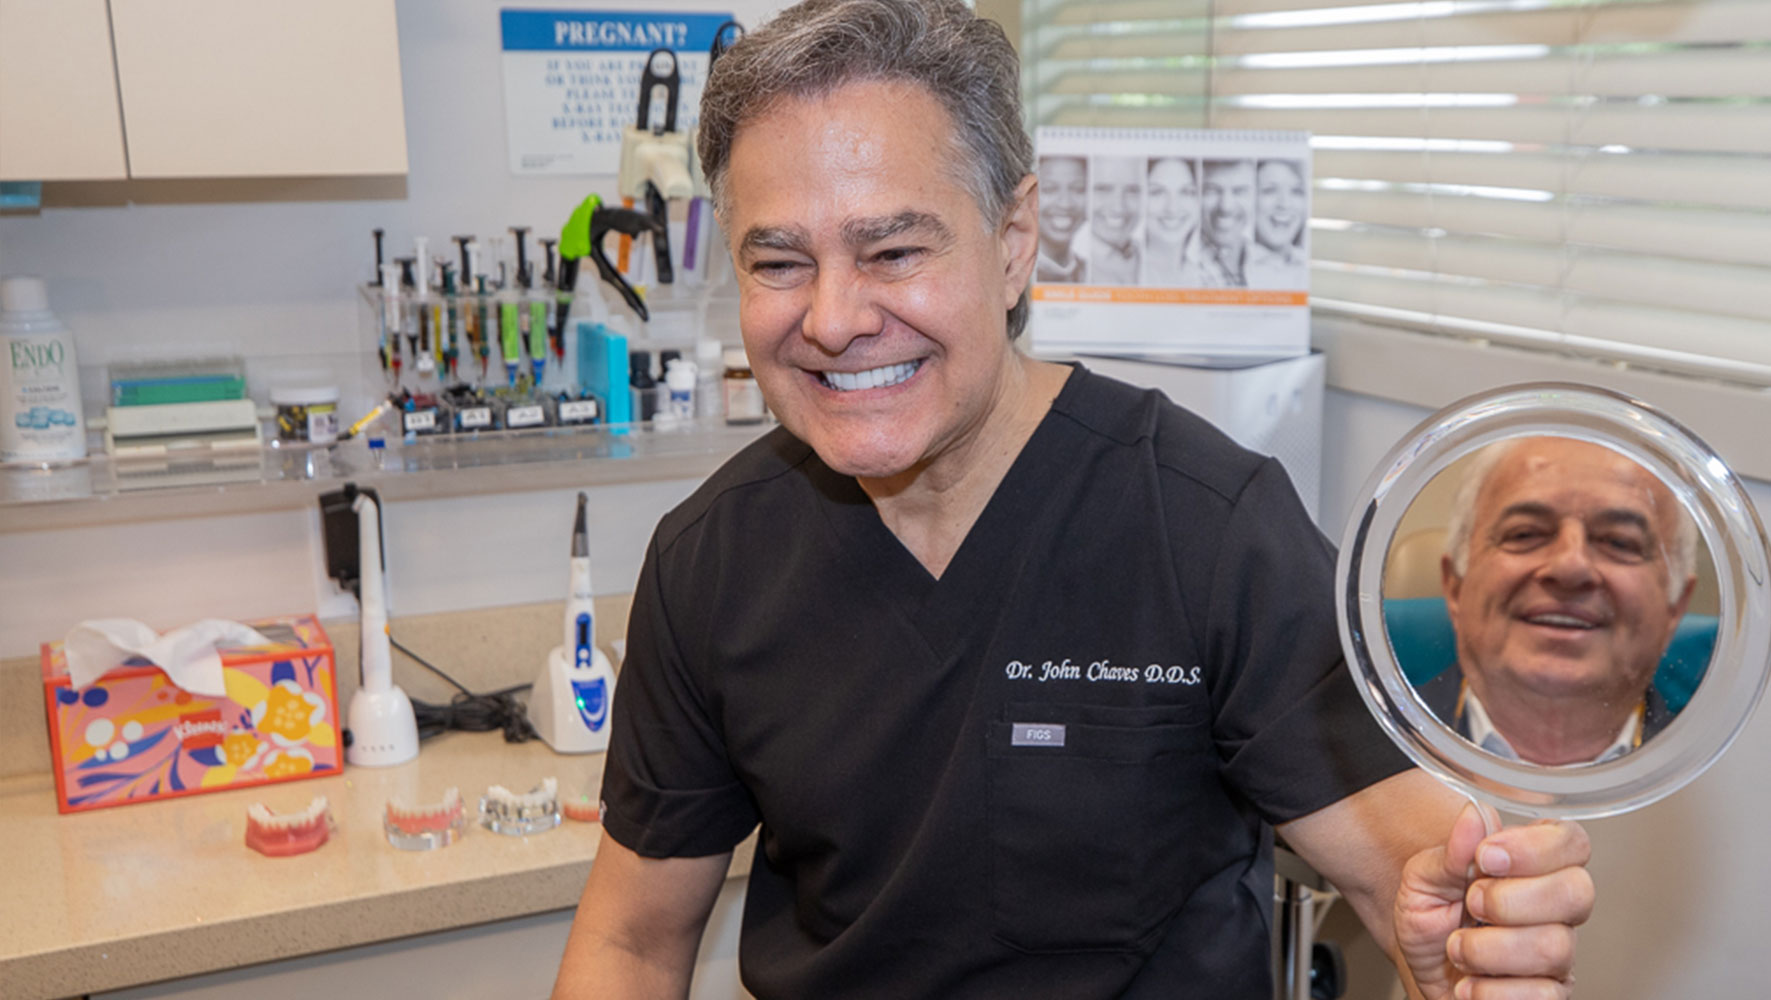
[(1564, 476), (1229, 173), (873, 163)]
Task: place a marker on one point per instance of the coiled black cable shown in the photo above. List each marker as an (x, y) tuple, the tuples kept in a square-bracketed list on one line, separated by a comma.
[(469, 711)]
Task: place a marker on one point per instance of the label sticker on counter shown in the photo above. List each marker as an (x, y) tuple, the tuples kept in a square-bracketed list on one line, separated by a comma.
[(572, 81), (578, 411), (1036, 734), (524, 416), (475, 418), (421, 420)]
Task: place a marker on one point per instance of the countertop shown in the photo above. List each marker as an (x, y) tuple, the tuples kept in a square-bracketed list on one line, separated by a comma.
[(157, 890), (167, 889)]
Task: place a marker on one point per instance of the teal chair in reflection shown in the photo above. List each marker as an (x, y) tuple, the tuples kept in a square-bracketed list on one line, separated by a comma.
[(1421, 634)]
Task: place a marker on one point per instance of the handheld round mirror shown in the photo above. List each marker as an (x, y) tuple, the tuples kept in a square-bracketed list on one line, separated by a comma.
[(1555, 599)]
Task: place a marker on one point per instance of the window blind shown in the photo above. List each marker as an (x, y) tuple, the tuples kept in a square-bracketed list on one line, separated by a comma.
[(1591, 175)]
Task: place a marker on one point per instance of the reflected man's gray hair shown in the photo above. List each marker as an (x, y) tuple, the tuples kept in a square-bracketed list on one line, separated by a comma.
[(813, 48), (1681, 555)]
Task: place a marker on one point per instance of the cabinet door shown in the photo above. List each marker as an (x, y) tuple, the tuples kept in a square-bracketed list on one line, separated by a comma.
[(238, 88), (58, 92)]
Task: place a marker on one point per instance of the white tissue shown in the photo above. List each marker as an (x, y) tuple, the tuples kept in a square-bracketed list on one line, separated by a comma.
[(188, 655)]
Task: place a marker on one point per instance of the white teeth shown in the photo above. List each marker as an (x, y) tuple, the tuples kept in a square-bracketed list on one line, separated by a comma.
[(1561, 621), (451, 805), (541, 795), (266, 819), (873, 378)]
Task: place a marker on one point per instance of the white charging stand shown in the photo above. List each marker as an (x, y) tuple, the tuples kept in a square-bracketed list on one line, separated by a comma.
[(383, 729)]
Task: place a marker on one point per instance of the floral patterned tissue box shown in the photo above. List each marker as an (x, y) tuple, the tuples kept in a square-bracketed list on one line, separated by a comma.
[(135, 736)]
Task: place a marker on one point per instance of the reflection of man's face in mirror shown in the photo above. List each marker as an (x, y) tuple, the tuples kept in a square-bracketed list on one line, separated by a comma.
[(1568, 567)]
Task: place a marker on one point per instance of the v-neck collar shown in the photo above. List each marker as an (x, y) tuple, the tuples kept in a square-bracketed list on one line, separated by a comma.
[(990, 557)]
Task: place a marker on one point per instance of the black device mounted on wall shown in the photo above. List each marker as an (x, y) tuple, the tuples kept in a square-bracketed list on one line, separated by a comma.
[(338, 528)]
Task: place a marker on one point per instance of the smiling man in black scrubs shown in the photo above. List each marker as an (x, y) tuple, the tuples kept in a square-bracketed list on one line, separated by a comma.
[(1017, 667)]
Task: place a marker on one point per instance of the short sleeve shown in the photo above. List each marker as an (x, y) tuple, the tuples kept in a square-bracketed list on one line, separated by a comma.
[(1290, 726), (668, 787)]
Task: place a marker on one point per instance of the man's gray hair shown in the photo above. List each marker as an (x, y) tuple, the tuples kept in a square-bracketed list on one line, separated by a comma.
[(815, 47), (1681, 555)]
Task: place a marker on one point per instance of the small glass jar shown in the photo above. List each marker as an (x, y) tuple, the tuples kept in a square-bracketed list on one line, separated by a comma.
[(744, 397)]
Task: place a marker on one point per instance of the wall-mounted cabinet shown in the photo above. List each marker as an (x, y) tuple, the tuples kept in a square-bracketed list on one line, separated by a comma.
[(59, 118), (199, 88)]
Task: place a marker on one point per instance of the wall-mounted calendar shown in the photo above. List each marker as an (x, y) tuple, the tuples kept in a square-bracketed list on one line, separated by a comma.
[(1172, 242)]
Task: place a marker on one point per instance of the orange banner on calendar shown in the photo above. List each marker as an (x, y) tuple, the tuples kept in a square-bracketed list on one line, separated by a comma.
[(1170, 296)]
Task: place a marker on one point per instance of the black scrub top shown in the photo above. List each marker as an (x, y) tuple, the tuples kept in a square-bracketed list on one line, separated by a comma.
[(1050, 772)]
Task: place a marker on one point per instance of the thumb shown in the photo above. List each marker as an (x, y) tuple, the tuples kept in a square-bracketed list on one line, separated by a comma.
[(1456, 867), (1429, 904)]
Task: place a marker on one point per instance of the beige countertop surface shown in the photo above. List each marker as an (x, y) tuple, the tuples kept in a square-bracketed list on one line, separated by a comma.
[(158, 890)]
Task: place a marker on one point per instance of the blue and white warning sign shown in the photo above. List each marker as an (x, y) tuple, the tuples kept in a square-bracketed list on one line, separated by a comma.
[(572, 81)]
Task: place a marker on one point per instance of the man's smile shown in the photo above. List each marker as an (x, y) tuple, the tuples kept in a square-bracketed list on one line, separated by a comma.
[(1563, 617), (872, 378)]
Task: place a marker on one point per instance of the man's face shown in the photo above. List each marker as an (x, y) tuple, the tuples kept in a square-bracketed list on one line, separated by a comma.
[(1063, 197), (1227, 191), (873, 293), (1279, 204), (1565, 592), (1174, 200), (1119, 196)]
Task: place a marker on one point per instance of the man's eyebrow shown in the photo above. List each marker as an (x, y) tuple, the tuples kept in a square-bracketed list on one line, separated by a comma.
[(1608, 516), (1625, 515), (861, 232), (1525, 508), (786, 238)]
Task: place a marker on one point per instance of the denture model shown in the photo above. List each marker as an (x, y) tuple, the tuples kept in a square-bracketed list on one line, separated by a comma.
[(292, 833), (503, 811), (426, 828), (582, 809)]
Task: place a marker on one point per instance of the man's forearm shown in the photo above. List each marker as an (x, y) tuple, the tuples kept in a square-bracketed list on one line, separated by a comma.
[(638, 925), (599, 967)]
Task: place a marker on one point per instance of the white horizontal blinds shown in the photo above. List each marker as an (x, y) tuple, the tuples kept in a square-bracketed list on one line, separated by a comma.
[(1594, 174), (1132, 63)]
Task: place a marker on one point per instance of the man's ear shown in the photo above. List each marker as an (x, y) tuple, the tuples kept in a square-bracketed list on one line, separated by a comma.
[(1679, 606), (1450, 583), (1019, 239)]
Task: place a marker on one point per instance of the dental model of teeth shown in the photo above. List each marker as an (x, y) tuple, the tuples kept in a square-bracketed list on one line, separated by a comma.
[(503, 811), (425, 828), (291, 833), (582, 809), (872, 378)]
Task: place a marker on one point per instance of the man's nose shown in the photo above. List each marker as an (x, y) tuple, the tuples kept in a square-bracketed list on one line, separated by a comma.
[(1570, 558), (841, 310)]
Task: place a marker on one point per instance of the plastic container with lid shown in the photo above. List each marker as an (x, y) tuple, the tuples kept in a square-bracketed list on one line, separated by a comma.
[(679, 394), (41, 418), (710, 370), (306, 413)]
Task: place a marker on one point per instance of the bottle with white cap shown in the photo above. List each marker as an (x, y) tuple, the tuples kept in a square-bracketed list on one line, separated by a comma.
[(40, 414)]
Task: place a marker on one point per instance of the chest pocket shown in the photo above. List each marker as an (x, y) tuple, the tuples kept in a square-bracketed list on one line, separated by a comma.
[(1090, 823)]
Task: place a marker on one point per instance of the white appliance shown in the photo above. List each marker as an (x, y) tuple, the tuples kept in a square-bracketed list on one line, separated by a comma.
[(1270, 407)]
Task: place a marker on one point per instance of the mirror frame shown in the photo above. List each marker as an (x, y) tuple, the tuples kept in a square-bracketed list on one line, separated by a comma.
[(1726, 522)]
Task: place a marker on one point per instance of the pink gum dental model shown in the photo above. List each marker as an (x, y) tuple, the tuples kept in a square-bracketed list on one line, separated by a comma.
[(292, 833)]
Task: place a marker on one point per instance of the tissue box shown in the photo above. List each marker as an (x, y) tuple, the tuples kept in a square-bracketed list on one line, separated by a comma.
[(134, 736)]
